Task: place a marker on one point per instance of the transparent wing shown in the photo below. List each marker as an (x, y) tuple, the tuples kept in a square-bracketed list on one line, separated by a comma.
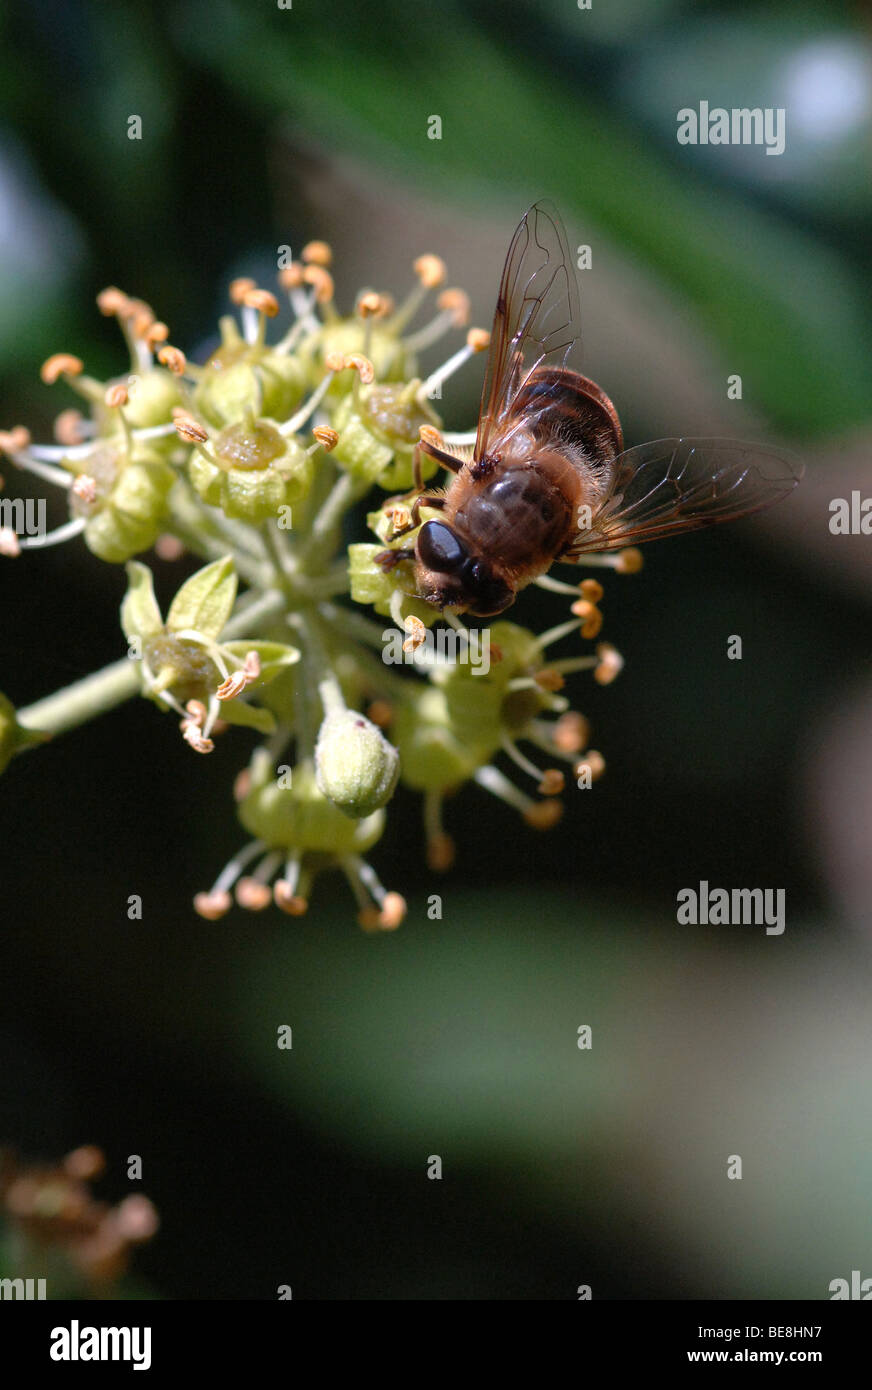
[(538, 315), (674, 485)]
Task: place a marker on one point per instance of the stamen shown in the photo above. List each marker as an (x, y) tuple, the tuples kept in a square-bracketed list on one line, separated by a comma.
[(71, 427), (317, 253), (56, 537), (440, 846), (476, 341), (60, 364), (308, 409), (454, 313)]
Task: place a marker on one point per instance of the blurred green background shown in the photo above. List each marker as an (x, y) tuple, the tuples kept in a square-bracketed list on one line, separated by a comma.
[(262, 127)]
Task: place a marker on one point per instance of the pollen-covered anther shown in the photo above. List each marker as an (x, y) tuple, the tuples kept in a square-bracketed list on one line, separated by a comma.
[(592, 618), (317, 253), (253, 895), (380, 713), (611, 663), (372, 305), (10, 546), (84, 487), (321, 281), (240, 287), (156, 333), (213, 905), (289, 901), (168, 547), (142, 320), (362, 365), (441, 851), (328, 438), (136, 1218), (478, 339), (571, 732), (552, 783), (264, 301), (291, 276), (416, 631), (235, 684), (15, 441), (428, 434), (629, 561), (192, 727), (69, 427), (400, 517), (592, 765), (456, 303), (116, 396), (113, 302), (591, 589), (85, 1163), (58, 365), (543, 815), (334, 361), (430, 270), (173, 358), (549, 679), (188, 428), (393, 910)]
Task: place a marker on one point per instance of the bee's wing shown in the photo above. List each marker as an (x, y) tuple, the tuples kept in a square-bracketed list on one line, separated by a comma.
[(675, 485), (538, 315)]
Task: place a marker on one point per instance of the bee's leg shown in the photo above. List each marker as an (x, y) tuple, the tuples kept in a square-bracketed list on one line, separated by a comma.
[(388, 559), (449, 461), (423, 499)]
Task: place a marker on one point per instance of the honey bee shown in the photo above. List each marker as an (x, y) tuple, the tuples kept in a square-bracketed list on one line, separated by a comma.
[(549, 478)]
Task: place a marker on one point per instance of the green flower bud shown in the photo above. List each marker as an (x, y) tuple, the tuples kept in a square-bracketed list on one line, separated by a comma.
[(383, 347), (355, 766), (300, 817), (256, 471), (239, 378), (359, 451), (394, 415), (128, 509), (370, 584), (152, 397), (436, 756)]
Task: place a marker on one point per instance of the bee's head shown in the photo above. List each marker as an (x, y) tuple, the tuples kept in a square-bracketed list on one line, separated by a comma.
[(449, 577)]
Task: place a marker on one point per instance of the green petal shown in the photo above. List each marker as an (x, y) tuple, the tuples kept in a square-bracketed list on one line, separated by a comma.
[(205, 601), (249, 716), (274, 656), (140, 615)]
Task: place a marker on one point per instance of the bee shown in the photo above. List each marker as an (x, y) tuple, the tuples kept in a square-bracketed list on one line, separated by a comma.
[(549, 478)]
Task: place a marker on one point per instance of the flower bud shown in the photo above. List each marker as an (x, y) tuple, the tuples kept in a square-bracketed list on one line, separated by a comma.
[(355, 765), (300, 817), (236, 380), (125, 513)]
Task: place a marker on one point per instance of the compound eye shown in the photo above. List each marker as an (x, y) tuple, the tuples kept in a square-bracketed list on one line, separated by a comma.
[(439, 549)]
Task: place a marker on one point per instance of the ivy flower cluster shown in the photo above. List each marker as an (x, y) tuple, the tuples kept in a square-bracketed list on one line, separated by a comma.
[(257, 463), (51, 1221)]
